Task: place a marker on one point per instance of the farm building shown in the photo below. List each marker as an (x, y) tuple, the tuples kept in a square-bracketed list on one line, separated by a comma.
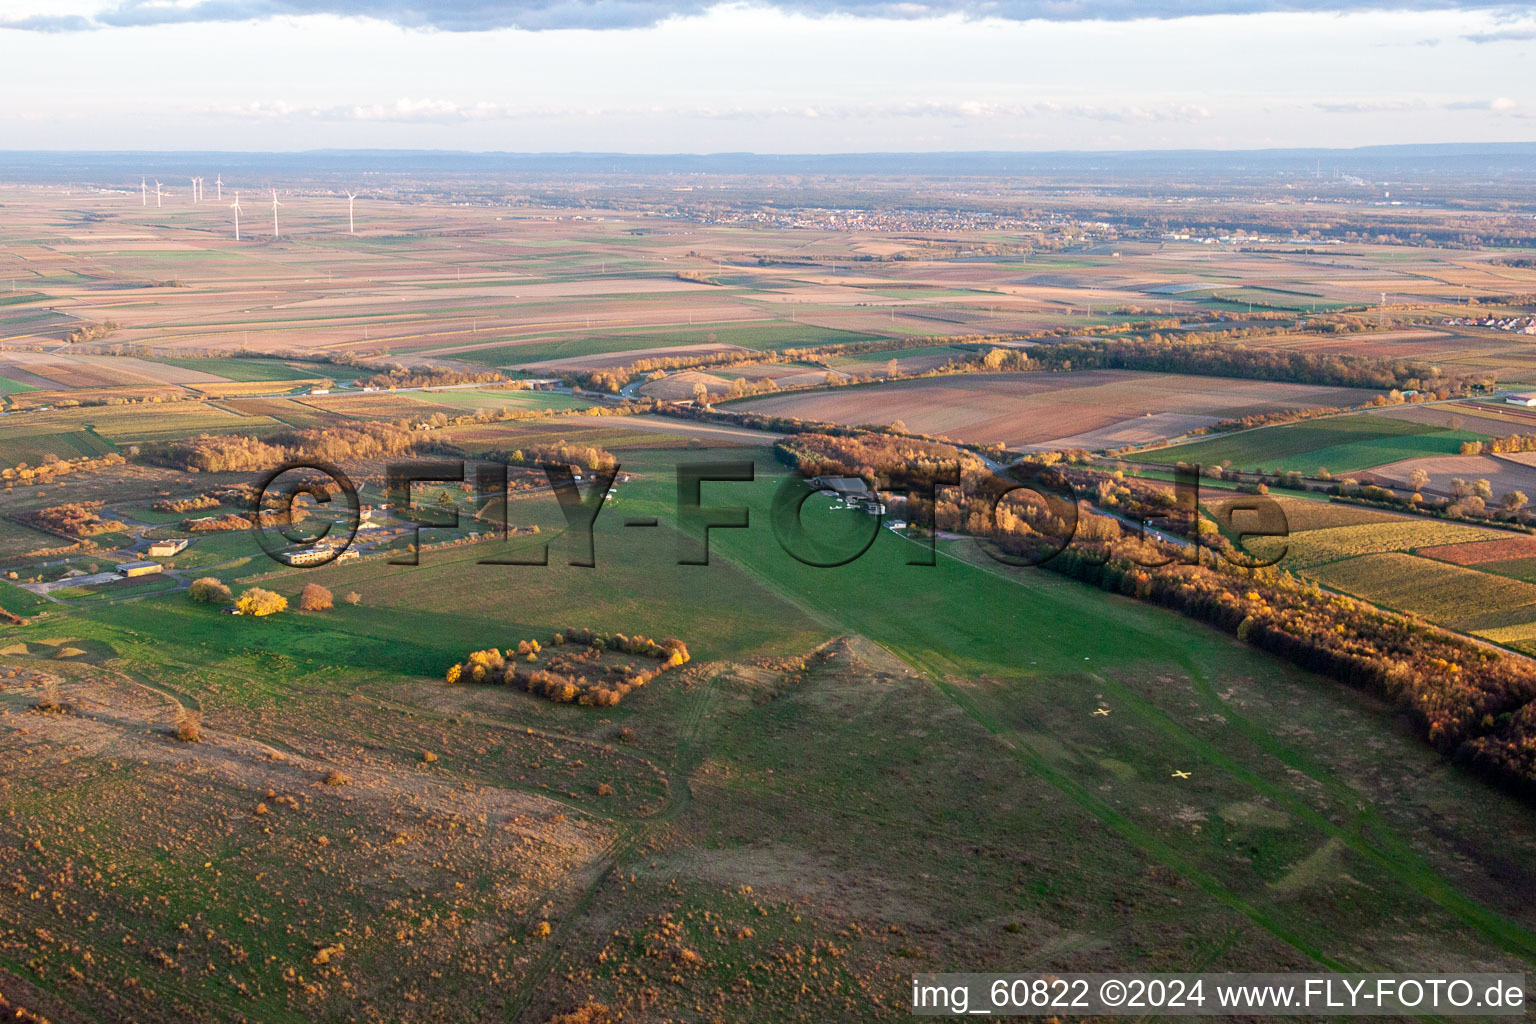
[(311, 556), (128, 570), (1525, 398), (849, 488), (167, 548)]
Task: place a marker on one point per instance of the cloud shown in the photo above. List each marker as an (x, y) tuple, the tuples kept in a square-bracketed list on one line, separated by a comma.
[(1499, 105), (1368, 106), (485, 15), (50, 23), (1502, 35), (429, 111)]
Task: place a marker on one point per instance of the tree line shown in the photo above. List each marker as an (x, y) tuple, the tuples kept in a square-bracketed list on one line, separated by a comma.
[(1203, 357)]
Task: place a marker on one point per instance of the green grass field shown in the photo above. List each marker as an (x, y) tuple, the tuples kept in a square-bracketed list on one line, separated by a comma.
[(953, 351), (30, 439), (239, 369), (474, 400), (14, 387), (1341, 444), (769, 337)]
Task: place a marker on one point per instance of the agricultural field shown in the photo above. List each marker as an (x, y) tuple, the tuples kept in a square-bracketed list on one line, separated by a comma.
[(383, 406), (1339, 444), (1311, 548), (1440, 592), (32, 443), (301, 415), (1504, 473), (15, 387), (1473, 417), (1484, 552), (1471, 578), (252, 370), (169, 421), (605, 351), (1511, 360), (475, 400), (1095, 408), (1304, 514)]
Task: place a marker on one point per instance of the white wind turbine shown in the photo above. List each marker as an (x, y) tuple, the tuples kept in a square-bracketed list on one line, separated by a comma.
[(275, 205), (236, 207), (157, 193), (143, 192), (351, 228), (218, 187), (194, 190)]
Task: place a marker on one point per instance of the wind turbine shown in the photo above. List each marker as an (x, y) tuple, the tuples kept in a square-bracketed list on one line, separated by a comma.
[(351, 229), (194, 190), (157, 193), (218, 187), (236, 207), (143, 192), (275, 205)]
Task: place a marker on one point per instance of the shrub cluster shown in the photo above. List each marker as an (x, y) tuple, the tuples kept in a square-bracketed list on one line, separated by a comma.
[(74, 520), (573, 671), (209, 590)]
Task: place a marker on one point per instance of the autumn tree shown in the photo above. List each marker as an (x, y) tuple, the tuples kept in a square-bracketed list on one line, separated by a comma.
[(259, 602), (315, 598), (209, 590)]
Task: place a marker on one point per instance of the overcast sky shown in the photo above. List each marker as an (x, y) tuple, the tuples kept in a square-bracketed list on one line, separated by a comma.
[(803, 76)]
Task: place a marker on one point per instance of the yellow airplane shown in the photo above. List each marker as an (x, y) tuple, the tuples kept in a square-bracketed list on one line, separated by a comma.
[(1180, 775), (1102, 711)]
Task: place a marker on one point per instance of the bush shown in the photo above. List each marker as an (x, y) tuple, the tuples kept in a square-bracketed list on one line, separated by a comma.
[(259, 602), (209, 590), (354, 599), (189, 726), (315, 598), (50, 702), (336, 778)]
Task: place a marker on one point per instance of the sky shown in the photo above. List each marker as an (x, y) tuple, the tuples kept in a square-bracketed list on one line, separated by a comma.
[(802, 76)]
